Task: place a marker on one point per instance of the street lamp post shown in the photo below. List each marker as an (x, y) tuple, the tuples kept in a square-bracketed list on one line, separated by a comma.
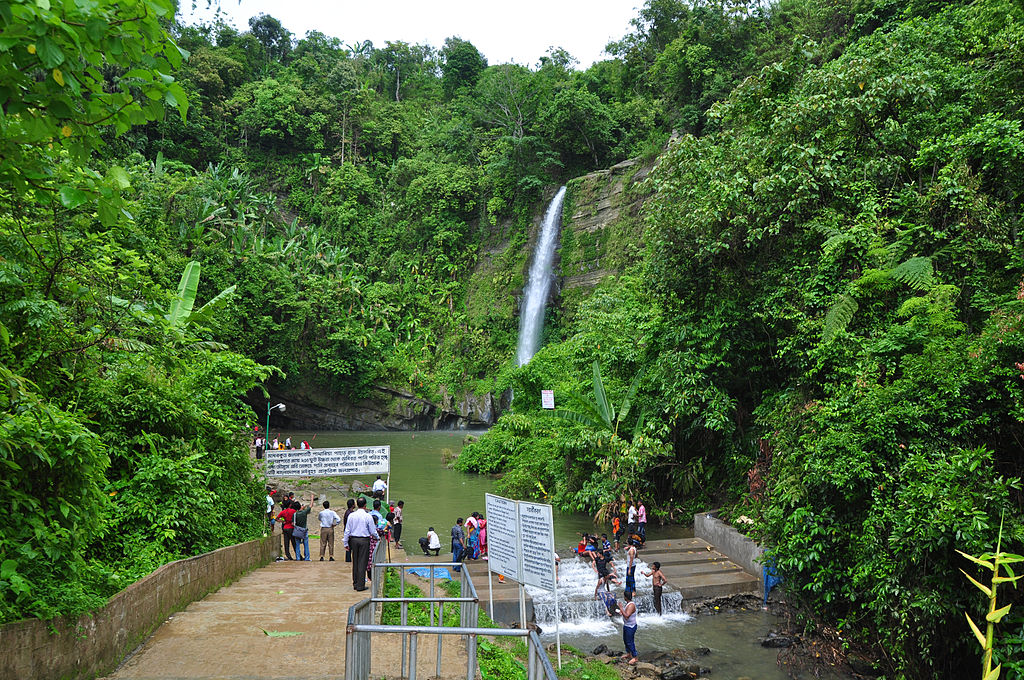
[(267, 433)]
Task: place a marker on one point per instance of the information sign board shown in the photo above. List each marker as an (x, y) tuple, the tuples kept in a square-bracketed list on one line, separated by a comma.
[(502, 536), (547, 399), (355, 460), (538, 545)]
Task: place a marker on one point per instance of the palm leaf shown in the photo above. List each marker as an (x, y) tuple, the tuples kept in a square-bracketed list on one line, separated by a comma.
[(576, 417), (838, 317), (628, 401), (182, 304), (204, 312), (917, 272)]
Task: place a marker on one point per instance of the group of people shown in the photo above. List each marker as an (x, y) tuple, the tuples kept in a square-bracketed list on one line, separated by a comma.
[(362, 528), (469, 539), (599, 551), (260, 443), (629, 527)]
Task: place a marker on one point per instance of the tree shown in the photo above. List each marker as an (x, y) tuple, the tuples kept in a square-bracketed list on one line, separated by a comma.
[(275, 38), (461, 66), (579, 123)]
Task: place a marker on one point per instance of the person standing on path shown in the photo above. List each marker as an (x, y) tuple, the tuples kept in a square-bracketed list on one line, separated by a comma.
[(631, 570), (286, 515), (659, 581), (379, 487), (641, 518), (270, 509), (458, 542), (617, 530), (301, 531), (344, 523), (629, 626), (358, 530), (398, 523), (328, 520)]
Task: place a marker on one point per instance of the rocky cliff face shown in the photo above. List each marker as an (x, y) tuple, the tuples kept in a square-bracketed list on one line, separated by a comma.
[(385, 408), (602, 231)]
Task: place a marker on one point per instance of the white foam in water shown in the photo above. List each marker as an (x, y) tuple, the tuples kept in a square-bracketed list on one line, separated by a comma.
[(581, 613)]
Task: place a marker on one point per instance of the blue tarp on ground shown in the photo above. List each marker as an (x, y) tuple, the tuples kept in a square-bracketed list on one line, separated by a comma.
[(424, 572)]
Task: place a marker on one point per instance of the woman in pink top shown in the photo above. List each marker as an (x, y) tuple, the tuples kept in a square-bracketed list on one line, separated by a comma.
[(642, 521)]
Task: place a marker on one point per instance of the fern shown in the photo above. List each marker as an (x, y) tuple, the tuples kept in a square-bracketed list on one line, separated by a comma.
[(839, 317), (917, 272)]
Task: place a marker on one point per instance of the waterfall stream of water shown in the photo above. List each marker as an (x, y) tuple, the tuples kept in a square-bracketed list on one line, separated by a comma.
[(538, 284), (579, 611)]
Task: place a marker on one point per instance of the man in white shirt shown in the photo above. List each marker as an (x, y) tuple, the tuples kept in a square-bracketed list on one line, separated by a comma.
[(431, 542), (379, 487), (270, 509), (358, 529), (631, 521), (328, 520)]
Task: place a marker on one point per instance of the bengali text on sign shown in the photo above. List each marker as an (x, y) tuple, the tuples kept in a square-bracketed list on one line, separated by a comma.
[(502, 536), (356, 460)]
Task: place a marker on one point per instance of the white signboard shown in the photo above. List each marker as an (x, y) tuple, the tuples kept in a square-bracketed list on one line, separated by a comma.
[(547, 399), (538, 544), (356, 460), (502, 536)]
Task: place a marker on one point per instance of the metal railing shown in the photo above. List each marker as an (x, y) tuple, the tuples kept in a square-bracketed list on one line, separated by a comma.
[(361, 627)]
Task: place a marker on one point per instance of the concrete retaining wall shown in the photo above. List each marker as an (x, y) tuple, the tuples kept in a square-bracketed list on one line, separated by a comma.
[(95, 643), (740, 549)]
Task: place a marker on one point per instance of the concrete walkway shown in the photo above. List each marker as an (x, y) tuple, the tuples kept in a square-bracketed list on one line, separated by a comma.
[(222, 636)]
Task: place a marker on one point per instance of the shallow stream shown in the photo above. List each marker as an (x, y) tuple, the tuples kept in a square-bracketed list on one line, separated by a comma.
[(435, 496)]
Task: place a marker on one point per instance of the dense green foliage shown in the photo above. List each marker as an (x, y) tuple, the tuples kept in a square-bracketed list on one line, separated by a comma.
[(829, 311), (120, 429), (820, 326)]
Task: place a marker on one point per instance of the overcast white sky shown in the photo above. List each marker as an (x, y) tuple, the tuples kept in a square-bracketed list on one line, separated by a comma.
[(519, 30)]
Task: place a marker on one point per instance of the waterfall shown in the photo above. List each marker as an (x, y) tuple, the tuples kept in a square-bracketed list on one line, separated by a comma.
[(538, 285), (580, 612)]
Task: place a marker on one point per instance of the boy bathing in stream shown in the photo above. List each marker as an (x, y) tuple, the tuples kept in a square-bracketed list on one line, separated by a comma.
[(659, 581)]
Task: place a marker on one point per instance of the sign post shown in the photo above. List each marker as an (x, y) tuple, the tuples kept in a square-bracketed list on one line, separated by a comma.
[(502, 540), (536, 531), (547, 399), (521, 546)]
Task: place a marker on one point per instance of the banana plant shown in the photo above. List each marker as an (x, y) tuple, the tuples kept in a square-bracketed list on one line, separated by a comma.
[(601, 414), (181, 315)]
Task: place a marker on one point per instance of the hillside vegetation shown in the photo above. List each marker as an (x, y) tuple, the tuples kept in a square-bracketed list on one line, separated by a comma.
[(821, 326)]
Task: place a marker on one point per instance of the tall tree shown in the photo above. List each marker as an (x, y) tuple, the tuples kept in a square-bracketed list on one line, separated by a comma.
[(461, 65)]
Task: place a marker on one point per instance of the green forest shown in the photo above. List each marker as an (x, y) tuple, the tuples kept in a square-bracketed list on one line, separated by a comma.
[(815, 318)]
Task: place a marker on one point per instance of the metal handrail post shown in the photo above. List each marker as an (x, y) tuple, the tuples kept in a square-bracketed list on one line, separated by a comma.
[(440, 638), (404, 619), (413, 638), (431, 595), (546, 670), (471, 660)]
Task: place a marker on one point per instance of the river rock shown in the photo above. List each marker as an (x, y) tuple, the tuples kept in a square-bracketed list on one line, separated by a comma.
[(862, 666), (776, 641), (682, 672), (648, 670), (600, 649)]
